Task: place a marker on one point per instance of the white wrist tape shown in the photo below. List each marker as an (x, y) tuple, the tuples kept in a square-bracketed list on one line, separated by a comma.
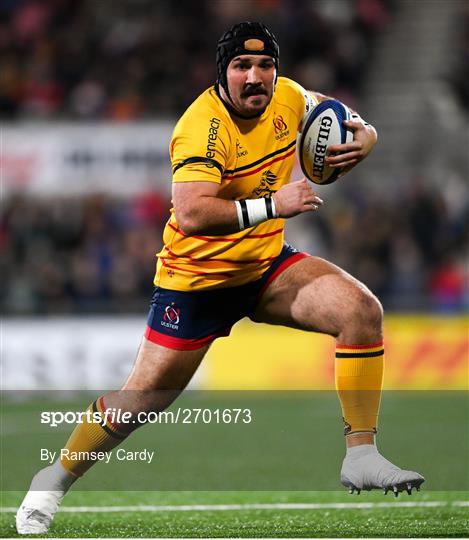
[(254, 211)]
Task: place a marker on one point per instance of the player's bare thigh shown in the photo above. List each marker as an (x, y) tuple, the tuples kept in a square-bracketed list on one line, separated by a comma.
[(316, 295), (158, 376)]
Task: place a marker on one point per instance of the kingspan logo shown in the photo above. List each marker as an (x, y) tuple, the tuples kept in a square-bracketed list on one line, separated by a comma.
[(211, 139)]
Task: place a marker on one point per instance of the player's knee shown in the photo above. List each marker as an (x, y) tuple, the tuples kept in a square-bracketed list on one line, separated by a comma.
[(366, 310)]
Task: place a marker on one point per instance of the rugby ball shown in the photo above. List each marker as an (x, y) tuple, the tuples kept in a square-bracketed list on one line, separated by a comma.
[(323, 127)]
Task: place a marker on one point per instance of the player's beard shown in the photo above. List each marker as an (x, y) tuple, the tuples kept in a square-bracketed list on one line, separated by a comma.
[(254, 100)]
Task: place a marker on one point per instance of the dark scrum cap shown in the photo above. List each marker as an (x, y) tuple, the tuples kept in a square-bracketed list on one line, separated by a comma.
[(244, 38)]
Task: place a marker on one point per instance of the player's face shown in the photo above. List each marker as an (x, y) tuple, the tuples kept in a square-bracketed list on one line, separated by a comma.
[(251, 81)]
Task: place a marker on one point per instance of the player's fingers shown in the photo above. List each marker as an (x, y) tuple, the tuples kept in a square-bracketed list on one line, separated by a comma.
[(310, 207), (352, 146), (311, 197), (344, 163), (353, 124), (315, 200), (335, 161), (312, 203)]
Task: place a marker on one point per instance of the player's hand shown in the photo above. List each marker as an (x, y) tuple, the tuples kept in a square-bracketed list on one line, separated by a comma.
[(296, 198), (346, 156)]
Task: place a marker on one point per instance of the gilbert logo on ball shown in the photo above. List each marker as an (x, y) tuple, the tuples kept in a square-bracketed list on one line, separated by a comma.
[(323, 127)]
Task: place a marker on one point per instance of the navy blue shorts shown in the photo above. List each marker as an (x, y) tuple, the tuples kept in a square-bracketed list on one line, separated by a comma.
[(188, 320)]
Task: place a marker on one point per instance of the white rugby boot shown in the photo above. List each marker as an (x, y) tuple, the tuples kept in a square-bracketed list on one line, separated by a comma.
[(365, 468), (43, 499)]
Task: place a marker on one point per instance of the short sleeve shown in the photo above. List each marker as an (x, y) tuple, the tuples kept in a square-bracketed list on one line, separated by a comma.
[(301, 100), (199, 147), (307, 102)]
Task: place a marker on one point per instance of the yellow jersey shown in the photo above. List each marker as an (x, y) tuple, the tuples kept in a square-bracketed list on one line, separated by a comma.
[(248, 158)]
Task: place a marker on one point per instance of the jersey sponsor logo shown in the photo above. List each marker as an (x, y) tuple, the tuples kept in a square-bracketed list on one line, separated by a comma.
[(211, 140), (280, 127), (265, 188), (171, 317)]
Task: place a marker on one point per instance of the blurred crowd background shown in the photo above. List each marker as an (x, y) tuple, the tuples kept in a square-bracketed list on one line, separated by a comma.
[(126, 61), (135, 59)]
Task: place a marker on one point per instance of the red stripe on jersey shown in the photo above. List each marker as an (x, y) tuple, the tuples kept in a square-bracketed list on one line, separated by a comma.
[(224, 274), (263, 166), (205, 238), (265, 235), (182, 344), (204, 259), (223, 238), (259, 161)]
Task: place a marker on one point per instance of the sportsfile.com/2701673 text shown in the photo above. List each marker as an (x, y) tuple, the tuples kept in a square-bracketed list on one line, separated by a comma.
[(180, 415)]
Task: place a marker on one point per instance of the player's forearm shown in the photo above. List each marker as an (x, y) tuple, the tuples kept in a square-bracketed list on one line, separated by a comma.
[(213, 216), (208, 215), (200, 213)]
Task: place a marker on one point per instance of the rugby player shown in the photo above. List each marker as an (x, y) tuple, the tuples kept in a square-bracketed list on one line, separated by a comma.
[(224, 258)]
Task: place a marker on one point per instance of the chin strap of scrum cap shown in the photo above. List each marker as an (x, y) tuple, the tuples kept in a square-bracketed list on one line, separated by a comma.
[(244, 38)]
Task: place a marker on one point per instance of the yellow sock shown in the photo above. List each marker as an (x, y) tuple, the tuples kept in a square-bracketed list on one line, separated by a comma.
[(359, 381), (88, 438)]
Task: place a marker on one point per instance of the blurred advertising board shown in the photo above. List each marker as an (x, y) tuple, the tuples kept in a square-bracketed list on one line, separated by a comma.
[(69, 159), (422, 352)]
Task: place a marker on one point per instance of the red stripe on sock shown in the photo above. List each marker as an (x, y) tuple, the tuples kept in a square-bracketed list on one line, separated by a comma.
[(370, 346), (113, 425)]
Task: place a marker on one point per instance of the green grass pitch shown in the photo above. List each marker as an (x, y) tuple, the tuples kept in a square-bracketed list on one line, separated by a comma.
[(448, 519), (279, 459)]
